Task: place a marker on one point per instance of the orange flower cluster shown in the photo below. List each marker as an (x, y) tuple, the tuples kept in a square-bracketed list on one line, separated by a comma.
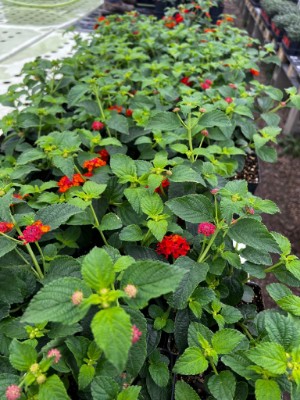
[(115, 107), (254, 72), (90, 165), (171, 22), (65, 183), (6, 227), (33, 233), (173, 245)]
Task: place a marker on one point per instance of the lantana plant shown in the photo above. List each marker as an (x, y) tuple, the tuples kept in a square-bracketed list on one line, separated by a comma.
[(127, 248)]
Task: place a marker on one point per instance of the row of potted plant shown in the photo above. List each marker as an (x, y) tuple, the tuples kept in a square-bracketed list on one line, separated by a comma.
[(127, 245)]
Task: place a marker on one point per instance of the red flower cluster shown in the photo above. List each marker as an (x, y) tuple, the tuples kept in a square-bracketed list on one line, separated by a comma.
[(97, 126), (6, 227), (228, 100), (90, 165), (65, 183), (206, 84), (206, 228), (178, 18), (136, 334), (173, 245), (115, 107), (186, 81), (209, 30), (33, 233), (104, 155), (165, 183), (254, 72), (170, 22), (128, 112)]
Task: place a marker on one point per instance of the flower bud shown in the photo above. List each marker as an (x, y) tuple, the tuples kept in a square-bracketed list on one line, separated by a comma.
[(13, 392), (202, 110), (41, 379), (77, 297), (55, 353), (130, 290), (204, 132), (176, 109)]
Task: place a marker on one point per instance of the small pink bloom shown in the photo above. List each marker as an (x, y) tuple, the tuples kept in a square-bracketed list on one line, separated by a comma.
[(204, 132), (229, 100), (206, 228), (205, 86), (130, 290), (209, 82), (54, 353), (232, 85), (214, 191), (250, 210), (97, 126), (77, 297), (136, 334), (283, 103), (202, 110), (13, 392)]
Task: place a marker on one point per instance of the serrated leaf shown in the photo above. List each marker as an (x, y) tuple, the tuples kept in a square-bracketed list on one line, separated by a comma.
[(191, 362), (110, 222), (152, 279), (104, 388), (131, 233), (194, 208), (158, 228), (130, 393), (29, 156), (226, 340), (294, 268), (270, 356), (159, 373), (119, 123), (283, 243), (239, 364), (6, 245), (290, 304), (280, 329), (123, 167), (214, 118), (76, 94), (151, 204), (253, 233), (93, 189), (267, 390), (22, 355), (86, 375), (112, 332), (53, 389), (222, 386), (164, 121), (183, 391), (97, 269), (66, 165), (278, 291), (54, 302), (183, 173), (56, 214)]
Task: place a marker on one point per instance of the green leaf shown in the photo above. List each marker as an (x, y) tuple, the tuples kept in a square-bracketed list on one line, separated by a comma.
[(243, 110), (56, 214), (158, 228), (238, 363), (131, 233), (130, 393), (194, 208), (29, 156), (294, 268), (53, 389), (290, 304), (86, 375), (196, 273), (226, 340), (124, 167), (295, 100), (267, 390), (270, 356), (214, 118), (54, 302), (27, 120), (183, 173), (183, 391), (222, 386), (119, 123), (76, 94), (112, 331), (66, 165), (159, 373), (9, 293), (191, 362), (93, 189), (280, 329), (152, 279), (110, 222), (277, 291), (253, 233), (97, 269), (283, 243), (22, 355), (104, 388), (6, 245), (164, 121), (152, 204)]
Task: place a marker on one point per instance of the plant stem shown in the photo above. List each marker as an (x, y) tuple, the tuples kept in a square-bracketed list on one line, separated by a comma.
[(20, 255), (101, 110), (9, 237), (273, 266), (97, 225), (212, 239), (146, 238), (213, 366), (42, 255), (245, 330), (189, 131)]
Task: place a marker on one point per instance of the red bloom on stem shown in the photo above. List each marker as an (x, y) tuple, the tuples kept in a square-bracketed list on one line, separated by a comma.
[(90, 165), (33, 233), (128, 112), (232, 85), (170, 22), (97, 126), (219, 22), (104, 155), (65, 183), (115, 107), (136, 334), (186, 81), (13, 392), (6, 227), (179, 18), (254, 72), (165, 183), (206, 228), (228, 100), (173, 245), (206, 84), (204, 132)]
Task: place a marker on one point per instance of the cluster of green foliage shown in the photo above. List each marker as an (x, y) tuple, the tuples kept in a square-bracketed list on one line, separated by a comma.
[(95, 275)]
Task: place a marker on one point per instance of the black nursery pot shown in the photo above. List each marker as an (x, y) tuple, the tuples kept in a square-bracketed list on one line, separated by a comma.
[(277, 32), (266, 18), (216, 12), (255, 3), (290, 47)]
